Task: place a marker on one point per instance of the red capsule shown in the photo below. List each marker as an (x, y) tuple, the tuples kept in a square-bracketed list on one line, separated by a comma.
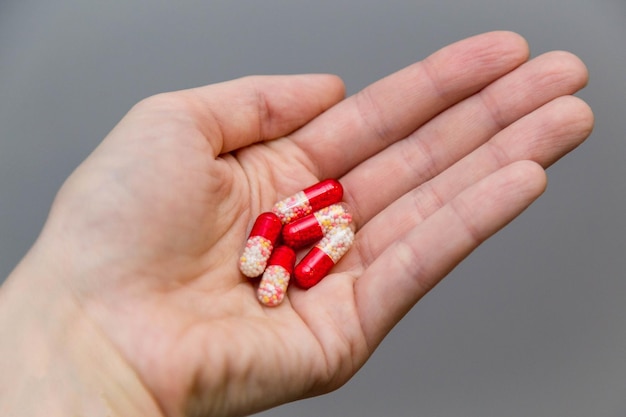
[(309, 200), (313, 227), (273, 285), (318, 262), (260, 244)]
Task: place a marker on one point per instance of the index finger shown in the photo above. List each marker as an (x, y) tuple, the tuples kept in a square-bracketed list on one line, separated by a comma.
[(395, 106)]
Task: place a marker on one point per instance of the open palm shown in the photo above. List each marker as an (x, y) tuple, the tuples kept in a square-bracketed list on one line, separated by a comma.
[(433, 159)]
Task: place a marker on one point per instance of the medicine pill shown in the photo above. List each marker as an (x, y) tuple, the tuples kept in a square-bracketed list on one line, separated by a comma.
[(322, 257), (275, 280), (307, 201), (260, 244), (313, 227)]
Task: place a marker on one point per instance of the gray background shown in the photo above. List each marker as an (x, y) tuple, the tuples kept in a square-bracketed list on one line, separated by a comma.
[(532, 324)]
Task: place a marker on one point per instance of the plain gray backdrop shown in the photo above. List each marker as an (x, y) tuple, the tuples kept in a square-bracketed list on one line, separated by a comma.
[(532, 324)]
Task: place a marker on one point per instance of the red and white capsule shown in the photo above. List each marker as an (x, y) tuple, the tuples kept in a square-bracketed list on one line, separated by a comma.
[(260, 244), (314, 227), (318, 262), (275, 280), (307, 201)]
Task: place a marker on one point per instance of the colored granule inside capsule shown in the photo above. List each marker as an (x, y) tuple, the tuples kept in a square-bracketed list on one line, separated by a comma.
[(337, 243), (255, 255), (293, 207), (332, 217), (273, 285)]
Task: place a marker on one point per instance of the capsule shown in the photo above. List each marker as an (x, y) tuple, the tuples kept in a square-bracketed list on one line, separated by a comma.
[(260, 244), (275, 280), (322, 257), (307, 201), (313, 227)]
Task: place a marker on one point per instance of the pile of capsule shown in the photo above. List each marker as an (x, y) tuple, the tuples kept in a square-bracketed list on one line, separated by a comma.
[(312, 215)]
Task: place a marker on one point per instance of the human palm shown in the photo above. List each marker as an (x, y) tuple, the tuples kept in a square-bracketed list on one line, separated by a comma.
[(433, 159)]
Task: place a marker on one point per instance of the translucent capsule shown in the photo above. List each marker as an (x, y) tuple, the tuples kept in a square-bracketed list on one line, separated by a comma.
[(275, 280), (260, 244), (308, 200), (313, 227), (318, 262)]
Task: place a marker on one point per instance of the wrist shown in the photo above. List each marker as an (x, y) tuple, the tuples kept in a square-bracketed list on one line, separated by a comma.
[(54, 360)]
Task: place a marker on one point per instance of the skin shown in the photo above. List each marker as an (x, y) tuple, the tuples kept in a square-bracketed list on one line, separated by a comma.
[(130, 302)]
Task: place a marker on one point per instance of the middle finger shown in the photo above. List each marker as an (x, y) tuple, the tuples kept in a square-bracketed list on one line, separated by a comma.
[(458, 131)]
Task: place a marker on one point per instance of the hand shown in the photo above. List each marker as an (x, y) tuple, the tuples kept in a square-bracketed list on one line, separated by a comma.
[(137, 263)]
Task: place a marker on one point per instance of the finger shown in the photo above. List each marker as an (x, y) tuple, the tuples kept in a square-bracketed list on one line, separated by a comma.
[(395, 106), (462, 128), (241, 112), (409, 268), (542, 136)]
